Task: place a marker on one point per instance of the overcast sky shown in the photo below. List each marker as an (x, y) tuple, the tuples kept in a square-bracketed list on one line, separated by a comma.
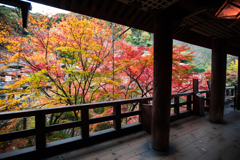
[(43, 9)]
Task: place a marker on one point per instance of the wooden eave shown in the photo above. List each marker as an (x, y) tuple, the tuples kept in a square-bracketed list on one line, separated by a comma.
[(194, 21)]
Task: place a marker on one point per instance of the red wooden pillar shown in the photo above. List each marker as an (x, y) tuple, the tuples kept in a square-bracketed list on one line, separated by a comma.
[(162, 80), (218, 81), (238, 85)]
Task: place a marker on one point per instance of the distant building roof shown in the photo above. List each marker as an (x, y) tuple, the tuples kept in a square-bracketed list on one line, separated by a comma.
[(18, 64)]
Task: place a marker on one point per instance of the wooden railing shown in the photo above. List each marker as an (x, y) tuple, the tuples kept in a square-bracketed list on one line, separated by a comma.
[(177, 104), (41, 129), (86, 138), (229, 91), (232, 91)]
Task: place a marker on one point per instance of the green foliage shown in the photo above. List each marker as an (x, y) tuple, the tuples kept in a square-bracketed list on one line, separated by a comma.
[(30, 122), (57, 135), (183, 99), (202, 56), (69, 116), (198, 70), (99, 110), (102, 126), (139, 37), (58, 17), (232, 71), (90, 115), (10, 17), (185, 61), (19, 125), (230, 60)]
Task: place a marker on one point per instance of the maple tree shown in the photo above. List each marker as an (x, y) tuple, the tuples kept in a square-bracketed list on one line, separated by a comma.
[(66, 62), (134, 73), (183, 74), (137, 65)]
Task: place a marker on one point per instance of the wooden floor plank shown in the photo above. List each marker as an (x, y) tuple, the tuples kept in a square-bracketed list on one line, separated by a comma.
[(211, 142), (228, 144), (102, 149), (190, 138)]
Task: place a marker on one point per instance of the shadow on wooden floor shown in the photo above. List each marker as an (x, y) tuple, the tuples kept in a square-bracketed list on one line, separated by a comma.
[(190, 138)]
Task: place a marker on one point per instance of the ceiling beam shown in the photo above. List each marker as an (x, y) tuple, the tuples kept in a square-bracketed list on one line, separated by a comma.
[(235, 42)]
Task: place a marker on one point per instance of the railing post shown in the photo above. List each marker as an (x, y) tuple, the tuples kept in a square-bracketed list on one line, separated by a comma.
[(195, 91), (85, 123), (176, 105), (146, 115), (40, 123), (189, 104), (141, 103), (117, 113)]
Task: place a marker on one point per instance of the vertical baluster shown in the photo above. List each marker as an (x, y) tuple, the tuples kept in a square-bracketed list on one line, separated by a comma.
[(235, 97), (24, 122), (227, 92), (40, 123), (208, 96), (176, 106), (189, 100), (232, 92), (117, 113), (85, 123)]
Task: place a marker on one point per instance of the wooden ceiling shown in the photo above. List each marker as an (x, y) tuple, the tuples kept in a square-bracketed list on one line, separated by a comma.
[(194, 21)]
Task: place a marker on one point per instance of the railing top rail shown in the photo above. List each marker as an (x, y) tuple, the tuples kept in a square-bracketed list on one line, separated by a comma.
[(33, 112), (181, 94), (230, 87), (93, 105), (203, 91)]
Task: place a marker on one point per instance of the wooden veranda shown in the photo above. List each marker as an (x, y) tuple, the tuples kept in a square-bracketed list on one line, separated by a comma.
[(190, 21), (43, 149), (190, 138)]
